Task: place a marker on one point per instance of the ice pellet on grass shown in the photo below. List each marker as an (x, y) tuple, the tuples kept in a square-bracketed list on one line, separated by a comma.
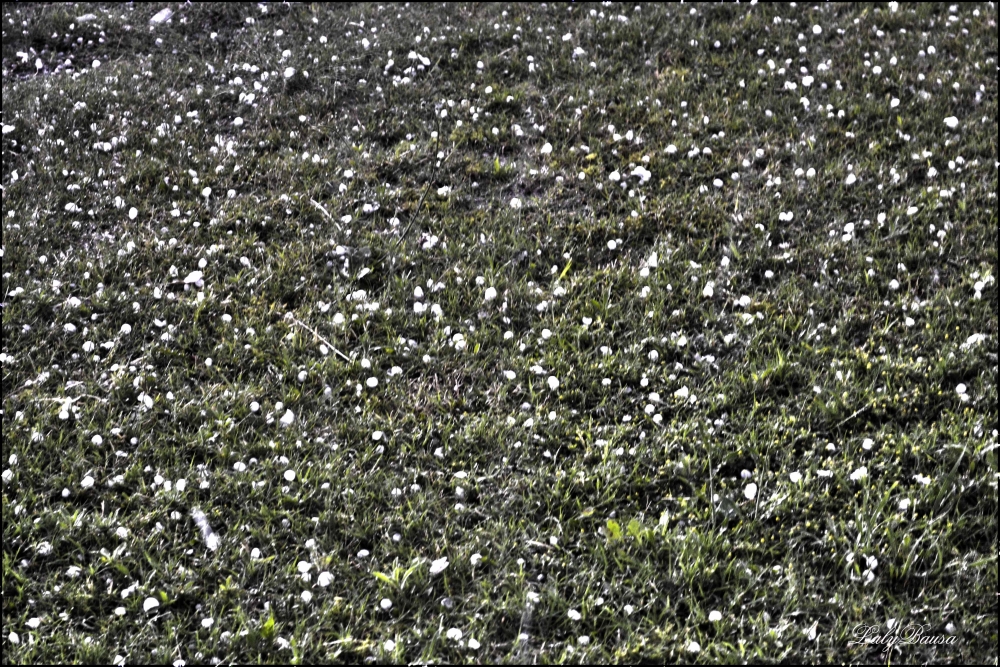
[(211, 539)]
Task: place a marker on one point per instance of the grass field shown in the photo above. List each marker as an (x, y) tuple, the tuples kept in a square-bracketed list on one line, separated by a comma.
[(499, 333)]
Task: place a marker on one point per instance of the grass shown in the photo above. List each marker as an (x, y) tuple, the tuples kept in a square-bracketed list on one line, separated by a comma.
[(788, 417)]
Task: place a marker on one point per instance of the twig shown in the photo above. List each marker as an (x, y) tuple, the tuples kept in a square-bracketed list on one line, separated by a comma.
[(856, 413), (326, 213), (67, 402), (757, 504), (414, 216), (322, 340), (899, 232), (711, 489)]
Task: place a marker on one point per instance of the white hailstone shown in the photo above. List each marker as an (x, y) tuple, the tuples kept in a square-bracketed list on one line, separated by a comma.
[(574, 615), (510, 375), (694, 647), (951, 122), (438, 566), (372, 382), (490, 294), (717, 183), (255, 553), (208, 362), (796, 477), (750, 491), (454, 634), (553, 383), (973, 340), (239, 466), (303, 566), (238, 121), (150, 603), (33, 623), (289, 72), (126, 329), (162, 16), (389, 646), (547, 148), (444, 191), (89, 346), (683, 392), (14, 638), (583, 640), (307, 597), (97, 440), (207, 623), (859, 474), (715, 616), (8, 475), (671, 149), (708, 291), (87, 482), (377, 435), (612, 244), (894, 284), (289, 475), (473, 644), (515, 203), (206, 192), (817, 29), (287, 418), (961, 389), (193, 278), (386, 604), (324, 579), (851, 178), (643, 173), (254, 406)]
